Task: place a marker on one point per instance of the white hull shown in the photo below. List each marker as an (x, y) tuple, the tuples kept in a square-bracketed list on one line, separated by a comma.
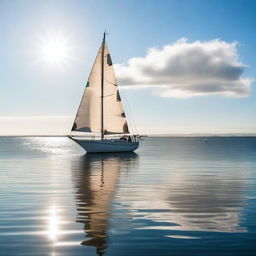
[(106, 146)]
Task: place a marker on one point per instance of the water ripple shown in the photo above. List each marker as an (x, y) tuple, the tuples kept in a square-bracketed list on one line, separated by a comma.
[(176, 196)]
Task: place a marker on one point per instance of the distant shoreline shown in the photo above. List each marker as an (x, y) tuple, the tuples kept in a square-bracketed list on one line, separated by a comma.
[(152, 136)]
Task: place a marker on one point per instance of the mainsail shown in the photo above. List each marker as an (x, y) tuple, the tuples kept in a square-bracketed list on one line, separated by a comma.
[(101, 109)]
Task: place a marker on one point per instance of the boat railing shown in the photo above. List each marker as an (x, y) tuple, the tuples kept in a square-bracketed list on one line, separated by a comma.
[(125, 137)]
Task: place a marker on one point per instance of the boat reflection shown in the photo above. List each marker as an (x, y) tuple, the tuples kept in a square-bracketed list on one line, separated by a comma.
[(95, 180)]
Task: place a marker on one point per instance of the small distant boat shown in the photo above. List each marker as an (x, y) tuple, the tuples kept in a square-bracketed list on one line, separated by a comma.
[(101, 111)]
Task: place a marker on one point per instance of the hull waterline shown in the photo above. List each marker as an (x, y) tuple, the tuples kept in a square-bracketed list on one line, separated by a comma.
[(106, 146)]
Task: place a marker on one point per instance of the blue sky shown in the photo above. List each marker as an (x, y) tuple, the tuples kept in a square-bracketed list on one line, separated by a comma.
[(31, 88)]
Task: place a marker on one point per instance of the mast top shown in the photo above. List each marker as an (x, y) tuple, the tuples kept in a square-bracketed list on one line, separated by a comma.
[(104, 36)]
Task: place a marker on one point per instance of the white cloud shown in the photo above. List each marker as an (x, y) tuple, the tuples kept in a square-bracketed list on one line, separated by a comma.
[(185, 69)]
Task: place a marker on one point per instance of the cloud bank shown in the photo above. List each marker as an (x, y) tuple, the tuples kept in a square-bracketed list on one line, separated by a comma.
[(184, 70)]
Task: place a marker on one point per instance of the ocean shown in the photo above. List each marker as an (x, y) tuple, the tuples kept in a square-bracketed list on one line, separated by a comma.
[(173, 196)]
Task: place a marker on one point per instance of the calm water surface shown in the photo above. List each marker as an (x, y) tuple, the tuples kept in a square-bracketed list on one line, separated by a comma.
[(175, 196)]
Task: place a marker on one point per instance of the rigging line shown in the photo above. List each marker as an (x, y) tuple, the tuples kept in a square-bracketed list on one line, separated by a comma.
[(132, 118), (104, 96), (110, 82), (108, 95), (128, 118), (130, 112)]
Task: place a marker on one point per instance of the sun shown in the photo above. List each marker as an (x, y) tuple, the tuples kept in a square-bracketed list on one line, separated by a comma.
[(54, 49)]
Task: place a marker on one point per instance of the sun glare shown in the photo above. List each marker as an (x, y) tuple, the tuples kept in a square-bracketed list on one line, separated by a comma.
[(54, 49), (53, 230)]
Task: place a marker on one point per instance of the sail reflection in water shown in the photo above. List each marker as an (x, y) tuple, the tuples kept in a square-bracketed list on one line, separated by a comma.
[(95, 180)]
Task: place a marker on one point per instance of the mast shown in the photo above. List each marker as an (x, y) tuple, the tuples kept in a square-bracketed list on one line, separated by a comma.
[(102, 86)]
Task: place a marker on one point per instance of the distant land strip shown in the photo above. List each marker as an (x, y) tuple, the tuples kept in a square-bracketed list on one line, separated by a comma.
[(248, 135)]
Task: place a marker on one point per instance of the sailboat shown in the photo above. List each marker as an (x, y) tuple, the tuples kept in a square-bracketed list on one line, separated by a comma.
[(101, 111)]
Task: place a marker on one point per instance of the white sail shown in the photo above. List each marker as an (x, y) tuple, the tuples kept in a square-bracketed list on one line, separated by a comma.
[(88, 118)]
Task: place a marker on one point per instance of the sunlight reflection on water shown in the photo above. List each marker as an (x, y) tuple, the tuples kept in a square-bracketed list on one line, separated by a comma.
[(54, 145), (54, 221)]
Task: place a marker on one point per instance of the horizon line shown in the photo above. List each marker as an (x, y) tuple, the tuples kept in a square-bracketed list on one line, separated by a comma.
[(144, 135)]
